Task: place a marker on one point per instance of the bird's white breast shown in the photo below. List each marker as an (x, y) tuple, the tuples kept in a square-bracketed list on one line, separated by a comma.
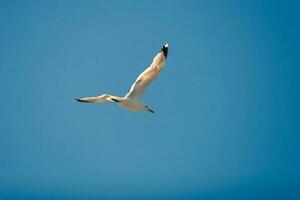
[(132, 105)]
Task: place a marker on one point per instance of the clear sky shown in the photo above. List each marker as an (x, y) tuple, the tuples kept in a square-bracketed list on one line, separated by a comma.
[(226, 122)]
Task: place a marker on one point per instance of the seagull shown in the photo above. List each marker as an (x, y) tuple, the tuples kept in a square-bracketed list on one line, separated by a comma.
[(132, 100)]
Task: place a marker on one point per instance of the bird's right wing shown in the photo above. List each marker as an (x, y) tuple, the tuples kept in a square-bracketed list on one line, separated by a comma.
[(99, 99), (146, 77)]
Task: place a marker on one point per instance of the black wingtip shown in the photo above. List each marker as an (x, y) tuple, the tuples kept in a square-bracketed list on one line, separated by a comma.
[(79, 100), (165, 49)]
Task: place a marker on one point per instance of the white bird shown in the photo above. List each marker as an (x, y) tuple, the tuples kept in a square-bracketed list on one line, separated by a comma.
[(132, 100)]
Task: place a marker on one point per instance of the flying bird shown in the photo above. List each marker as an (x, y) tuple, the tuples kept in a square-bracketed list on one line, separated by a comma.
[(132, 100)]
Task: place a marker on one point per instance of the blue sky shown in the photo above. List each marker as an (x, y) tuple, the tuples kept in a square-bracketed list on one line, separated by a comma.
[(226, 122)]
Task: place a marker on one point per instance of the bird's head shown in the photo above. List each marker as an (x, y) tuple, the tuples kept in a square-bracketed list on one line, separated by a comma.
[(148, 109)]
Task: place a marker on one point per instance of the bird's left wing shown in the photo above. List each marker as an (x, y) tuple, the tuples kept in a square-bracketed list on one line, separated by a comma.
[(146, 77)]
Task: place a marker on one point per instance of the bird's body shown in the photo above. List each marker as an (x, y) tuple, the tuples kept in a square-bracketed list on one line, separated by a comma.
[(133, 105), (132, 100)]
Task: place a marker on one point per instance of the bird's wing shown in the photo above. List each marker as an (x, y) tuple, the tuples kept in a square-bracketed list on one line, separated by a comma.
[(99, 99), (145, 78)]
